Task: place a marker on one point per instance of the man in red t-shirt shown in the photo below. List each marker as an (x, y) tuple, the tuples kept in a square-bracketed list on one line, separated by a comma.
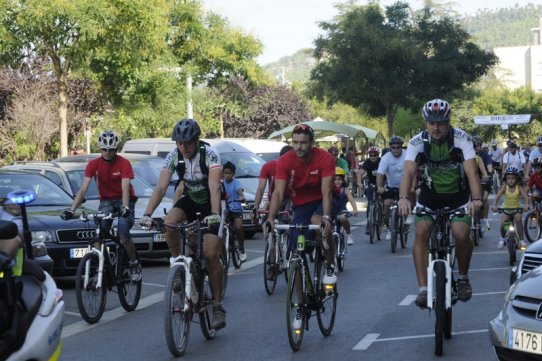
[(267, 176), (112, 174), (306, 173)]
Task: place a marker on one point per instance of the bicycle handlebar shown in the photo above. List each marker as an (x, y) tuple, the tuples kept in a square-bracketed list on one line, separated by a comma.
[(420, 211), (97, 216), (297, 226)]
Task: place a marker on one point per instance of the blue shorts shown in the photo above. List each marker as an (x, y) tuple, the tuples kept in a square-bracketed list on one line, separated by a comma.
[(302, 215), (115, 205)]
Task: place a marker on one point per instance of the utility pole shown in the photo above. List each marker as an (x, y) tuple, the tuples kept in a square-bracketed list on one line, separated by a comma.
[(189, 110)]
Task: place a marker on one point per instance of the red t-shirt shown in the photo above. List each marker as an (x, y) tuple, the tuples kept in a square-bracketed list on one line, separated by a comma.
[(535, 180), (304, 180), (109, 176), (268, 172)]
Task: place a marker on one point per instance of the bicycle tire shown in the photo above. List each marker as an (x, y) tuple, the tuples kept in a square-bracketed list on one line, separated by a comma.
[(270, 284), (206, 302), (90, 300), (340, 244), (403, 234), (448, 324), (371, 222), (475, 236), (393, 229), (326, 301), (378, 223), (234, 252), (532, 226), (439, 305), (129, 291), (225, 267), (295, 336), (176, 319), (512, 245)]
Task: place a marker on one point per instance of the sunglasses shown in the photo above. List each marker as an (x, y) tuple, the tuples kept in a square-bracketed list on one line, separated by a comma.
[(372, 155), (109, 150), (397, 147), (303, 129)]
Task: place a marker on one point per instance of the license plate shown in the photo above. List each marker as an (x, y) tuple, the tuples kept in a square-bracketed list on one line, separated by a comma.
[(159, 237), (78, 252), (247, 216), (526, 341)]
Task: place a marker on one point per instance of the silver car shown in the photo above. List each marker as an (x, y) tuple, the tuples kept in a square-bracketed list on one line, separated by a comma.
[(516, 333)]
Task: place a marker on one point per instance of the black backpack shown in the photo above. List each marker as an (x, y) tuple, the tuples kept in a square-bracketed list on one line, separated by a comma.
[(181, 166)]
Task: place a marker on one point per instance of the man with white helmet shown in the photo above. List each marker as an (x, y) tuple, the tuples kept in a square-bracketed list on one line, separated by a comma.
[(496, 157), (112, 173), (536, 153)]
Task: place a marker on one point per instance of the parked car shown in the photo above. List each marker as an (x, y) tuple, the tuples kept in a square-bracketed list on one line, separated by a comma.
[(516, 333), (248, 166), (69, 176), (532, 258), (267, 149)]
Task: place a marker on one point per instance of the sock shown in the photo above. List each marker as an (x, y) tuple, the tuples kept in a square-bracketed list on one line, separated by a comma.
[(463, 277), (423, 288)]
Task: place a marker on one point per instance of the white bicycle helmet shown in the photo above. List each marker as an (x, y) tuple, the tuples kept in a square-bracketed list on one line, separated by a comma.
[(108, 139)]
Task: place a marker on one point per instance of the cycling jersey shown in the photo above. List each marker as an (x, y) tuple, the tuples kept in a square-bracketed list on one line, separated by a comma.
[(517, 160), (495, 154), (194, 180), (392, 167), (370, 169)]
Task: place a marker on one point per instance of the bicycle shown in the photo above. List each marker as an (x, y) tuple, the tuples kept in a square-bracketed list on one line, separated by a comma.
[(532, 224), (306, 294), (102, 268), (398, 228), (511, 235), (230, 242), (374, 215), (476, 229), (441, 286), (276, 252), (339, 240), (495, 182), (188, 291)]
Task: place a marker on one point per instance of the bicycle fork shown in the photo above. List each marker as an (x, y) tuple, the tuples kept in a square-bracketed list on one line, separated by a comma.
[(189, 290), (430, 281), (100, 269)]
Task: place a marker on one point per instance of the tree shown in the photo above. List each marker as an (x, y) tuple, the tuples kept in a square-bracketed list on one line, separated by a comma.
[(112, 38), (380, 61)]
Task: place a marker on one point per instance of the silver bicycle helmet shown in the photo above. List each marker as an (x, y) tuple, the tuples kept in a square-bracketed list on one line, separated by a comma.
[(436, 110), (108, 139)]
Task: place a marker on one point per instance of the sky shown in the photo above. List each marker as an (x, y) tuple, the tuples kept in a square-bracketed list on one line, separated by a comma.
[(285, 26)]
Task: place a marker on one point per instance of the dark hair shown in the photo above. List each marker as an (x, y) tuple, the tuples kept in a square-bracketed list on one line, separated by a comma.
[(229, 165), (285, 149), (304, 129)]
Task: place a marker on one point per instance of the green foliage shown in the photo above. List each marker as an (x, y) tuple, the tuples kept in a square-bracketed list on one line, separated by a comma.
[(296, 67)]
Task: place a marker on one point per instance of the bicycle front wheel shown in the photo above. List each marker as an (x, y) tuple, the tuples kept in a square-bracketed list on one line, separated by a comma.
[(269, 270), (340, 245), (295, 309), (234, 251), (531, 226), (378, 223), (129, 291), (371, 220), (393, 228), (224, 259), (403, 232), (206, 302), (440, 305), (326, 296), (91, 298), (176, 317)]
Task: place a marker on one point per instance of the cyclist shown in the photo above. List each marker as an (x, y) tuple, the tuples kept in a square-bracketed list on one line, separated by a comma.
[(199, 169), (369, 169), (353, 165), (445, 156), (512, 192), (112, 174), (267, 177), (485, 167), (496, 157), (234, 192), (534, 185), (514, 158), (341, 196), (390, 171), (339, 161), (307, 174), (536, 153)]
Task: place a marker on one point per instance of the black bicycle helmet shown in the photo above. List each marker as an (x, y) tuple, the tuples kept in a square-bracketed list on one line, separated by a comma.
[(186, 130), (396, 140), (436, 110), (477, 140)]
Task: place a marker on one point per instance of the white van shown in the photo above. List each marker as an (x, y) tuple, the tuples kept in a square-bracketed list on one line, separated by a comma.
[(159, 147), (267, 149)]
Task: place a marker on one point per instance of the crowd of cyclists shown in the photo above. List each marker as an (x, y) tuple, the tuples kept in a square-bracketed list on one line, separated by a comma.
[(442, 166)]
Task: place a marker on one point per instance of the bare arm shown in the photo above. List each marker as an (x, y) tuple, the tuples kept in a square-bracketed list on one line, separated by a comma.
[(276, 199), (125, 185), (259, 192), (81, 193), (409, 173), (215, 176), (352, 201)]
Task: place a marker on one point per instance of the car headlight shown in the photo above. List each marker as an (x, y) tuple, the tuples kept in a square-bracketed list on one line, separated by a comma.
[(41, 236)]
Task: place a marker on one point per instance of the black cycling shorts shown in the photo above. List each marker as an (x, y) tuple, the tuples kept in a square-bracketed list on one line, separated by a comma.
[(190, 208)]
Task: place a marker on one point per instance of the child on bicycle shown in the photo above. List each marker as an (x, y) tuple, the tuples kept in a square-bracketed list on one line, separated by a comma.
[(341, 196), (234, 197), (512, 192), (534, 185)]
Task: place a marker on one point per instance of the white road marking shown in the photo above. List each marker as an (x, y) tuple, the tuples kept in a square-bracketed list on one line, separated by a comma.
[(371, 338), (407, 301), (153, 284)]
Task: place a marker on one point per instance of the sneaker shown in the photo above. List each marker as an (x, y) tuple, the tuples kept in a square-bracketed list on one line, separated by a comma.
[(298, 320), (486, 223), (522, 244), (135, 271), (464, 289), (330, 277), (219, 317), (501, 243), (242, 255), (349, 240), (388, 235), (421, 299)]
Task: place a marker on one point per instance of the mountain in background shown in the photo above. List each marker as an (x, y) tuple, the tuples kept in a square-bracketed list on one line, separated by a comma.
[(489, 28)]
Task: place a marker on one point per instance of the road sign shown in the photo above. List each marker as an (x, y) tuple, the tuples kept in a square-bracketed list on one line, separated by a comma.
[(502, 119)]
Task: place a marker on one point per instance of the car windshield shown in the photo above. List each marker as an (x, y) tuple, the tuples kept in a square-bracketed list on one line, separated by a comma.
[(47, 192), (248, 165), (148, 169)]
